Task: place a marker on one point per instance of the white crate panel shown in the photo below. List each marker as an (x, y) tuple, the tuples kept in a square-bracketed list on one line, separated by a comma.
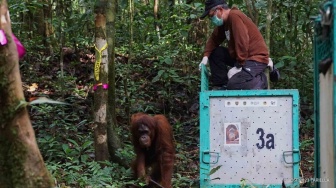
[(326, 127), (241, 158)]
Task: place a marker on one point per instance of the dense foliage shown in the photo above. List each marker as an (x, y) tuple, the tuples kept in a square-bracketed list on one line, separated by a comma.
[(156, 73)]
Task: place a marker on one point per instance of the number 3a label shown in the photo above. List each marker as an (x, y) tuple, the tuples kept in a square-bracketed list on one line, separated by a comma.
[(269, 142)]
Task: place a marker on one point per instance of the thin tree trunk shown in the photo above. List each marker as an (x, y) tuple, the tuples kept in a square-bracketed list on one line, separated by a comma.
[(100, 95), (21, 163), (38, 18), (114, 143), (130, 59), (252, 11), (47, 10), (131, 12), (60, 6), (171, 4), (268, 35), (156, 18)]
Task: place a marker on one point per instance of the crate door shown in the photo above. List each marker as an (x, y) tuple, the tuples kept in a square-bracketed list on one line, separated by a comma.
[(253, 137)]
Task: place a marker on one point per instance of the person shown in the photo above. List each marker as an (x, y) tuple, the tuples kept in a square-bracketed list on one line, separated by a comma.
[(247, 52)]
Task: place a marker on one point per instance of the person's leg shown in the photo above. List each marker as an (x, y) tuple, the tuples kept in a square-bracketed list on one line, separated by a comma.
[(251, 77), (218, 61), (258, 71), (255, 67)]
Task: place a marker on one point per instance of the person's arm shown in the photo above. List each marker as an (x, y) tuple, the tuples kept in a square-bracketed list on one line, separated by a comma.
[(215, 39), (240, 37)]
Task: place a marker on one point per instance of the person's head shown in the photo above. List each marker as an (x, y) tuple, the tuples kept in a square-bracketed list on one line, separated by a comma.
[(212, 5), (217, 10)]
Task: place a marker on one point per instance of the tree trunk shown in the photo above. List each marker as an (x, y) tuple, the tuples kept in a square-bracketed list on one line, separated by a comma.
[(156, 18), (131, 13), (47, 10), (268, 35), (39, 21), (252, 10), (114, 143), (21, 163), (60, 7), (100, 95), (268, 23), (130, 59)]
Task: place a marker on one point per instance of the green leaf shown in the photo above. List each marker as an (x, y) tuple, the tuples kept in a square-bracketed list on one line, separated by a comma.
[(87, 144), (198, 5), (168, 61), (192, 16), (84, 158), (65, 148), (158, 76), (73, 142), (280, 64), (184, 33), (212, 171)]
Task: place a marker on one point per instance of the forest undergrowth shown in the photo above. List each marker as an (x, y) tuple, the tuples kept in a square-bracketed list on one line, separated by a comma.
[(65, 132)]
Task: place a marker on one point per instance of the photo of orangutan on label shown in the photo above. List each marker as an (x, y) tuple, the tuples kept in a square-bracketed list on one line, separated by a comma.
[(232, 133)]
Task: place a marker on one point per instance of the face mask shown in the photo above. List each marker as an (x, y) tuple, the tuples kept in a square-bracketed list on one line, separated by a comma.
[(215, 20)]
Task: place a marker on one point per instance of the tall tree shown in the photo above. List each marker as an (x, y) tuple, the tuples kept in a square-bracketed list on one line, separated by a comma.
[(21, 163), (101, 80), (60, 7), (268, 34), (48, 28), (114, 143), (107, 141), (131, 14), (156, 17), (130, 57), (252, 10), (268, 23)]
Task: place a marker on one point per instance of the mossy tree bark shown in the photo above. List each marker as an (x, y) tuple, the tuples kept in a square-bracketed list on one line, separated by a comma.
[(107, 141), (114, 142), (21, 163), (101, 71)]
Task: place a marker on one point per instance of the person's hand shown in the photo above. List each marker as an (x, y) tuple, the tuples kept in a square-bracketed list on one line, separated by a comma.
[(233, 71), (204, 62)]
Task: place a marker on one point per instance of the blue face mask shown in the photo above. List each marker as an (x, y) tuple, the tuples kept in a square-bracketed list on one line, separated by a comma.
[(215, 20)]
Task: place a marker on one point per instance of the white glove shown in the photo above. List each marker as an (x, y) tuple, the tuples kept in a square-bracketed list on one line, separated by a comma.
[(204, 62), (270, 64), (233, 71)]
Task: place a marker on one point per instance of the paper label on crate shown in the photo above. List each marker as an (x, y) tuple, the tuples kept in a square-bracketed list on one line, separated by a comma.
[(232, 134), (250, 103)]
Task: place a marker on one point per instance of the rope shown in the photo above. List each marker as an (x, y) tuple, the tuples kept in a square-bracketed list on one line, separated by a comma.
[(98, 61)]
